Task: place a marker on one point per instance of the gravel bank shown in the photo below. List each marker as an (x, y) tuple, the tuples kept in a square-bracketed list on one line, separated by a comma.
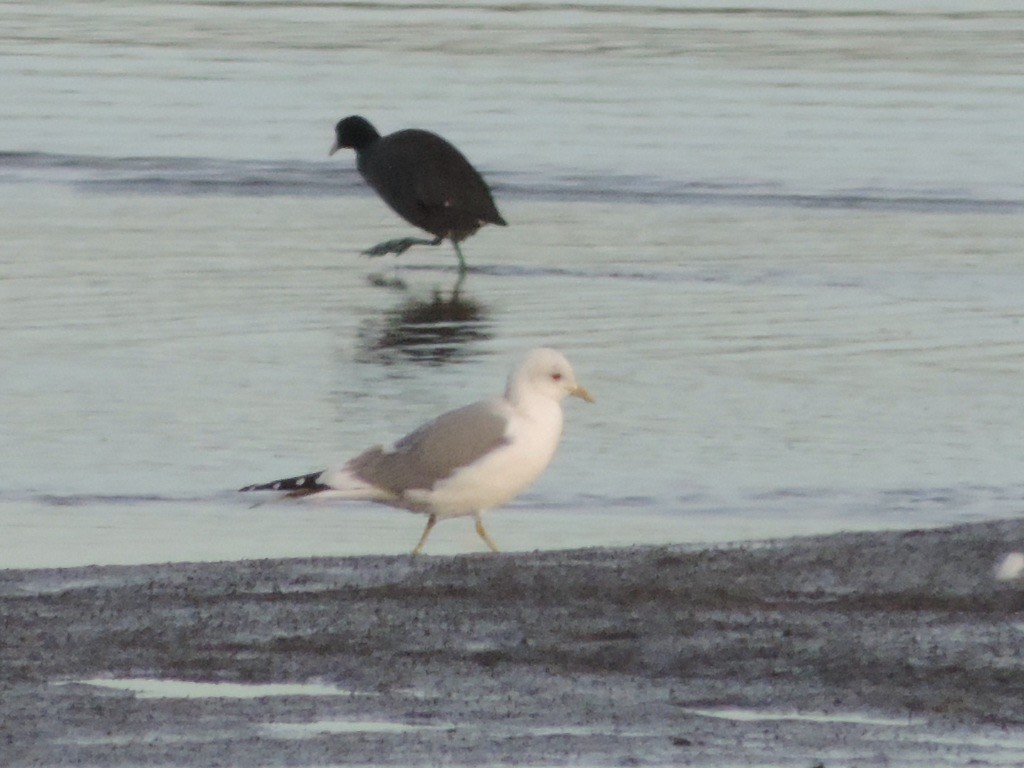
[(870, 649)]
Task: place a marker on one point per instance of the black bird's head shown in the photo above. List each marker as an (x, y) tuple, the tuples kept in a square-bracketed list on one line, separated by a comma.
[(354, 132)]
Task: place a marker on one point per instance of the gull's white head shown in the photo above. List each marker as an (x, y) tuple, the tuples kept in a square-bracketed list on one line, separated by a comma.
[(545, 372)]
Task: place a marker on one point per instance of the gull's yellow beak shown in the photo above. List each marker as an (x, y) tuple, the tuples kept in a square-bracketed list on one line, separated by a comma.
[(581, 393)]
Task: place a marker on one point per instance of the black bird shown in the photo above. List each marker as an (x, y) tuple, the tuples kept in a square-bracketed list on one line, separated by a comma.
[(424, 179)]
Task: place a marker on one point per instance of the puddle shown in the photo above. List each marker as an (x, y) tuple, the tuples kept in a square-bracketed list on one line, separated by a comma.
[(752, 715), (153, 688)]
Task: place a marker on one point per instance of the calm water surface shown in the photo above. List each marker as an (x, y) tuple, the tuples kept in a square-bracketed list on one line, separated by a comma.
[(781, 244)]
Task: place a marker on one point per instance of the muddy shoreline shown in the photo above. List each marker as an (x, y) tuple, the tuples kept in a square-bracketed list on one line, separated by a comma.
[(869, 648)]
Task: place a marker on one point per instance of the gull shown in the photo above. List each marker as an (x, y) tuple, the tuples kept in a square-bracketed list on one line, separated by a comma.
[(424, 179), (465, 461)]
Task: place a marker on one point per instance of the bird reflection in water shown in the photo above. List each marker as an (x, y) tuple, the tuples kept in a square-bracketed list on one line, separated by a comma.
[(441, 329)]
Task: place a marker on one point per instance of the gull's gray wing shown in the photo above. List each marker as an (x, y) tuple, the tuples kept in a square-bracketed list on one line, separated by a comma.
[(434, 451)]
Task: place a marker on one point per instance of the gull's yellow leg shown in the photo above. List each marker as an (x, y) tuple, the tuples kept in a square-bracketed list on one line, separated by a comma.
[(483, 533), (431, 521)]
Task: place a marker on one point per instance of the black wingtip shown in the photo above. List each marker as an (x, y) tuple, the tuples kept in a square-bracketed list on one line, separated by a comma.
[(302, 483)]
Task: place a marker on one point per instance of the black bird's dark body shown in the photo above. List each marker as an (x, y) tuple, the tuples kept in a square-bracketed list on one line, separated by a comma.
[(424, 179)]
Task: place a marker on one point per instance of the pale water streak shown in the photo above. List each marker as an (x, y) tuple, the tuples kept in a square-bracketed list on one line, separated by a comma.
[(780, 244)]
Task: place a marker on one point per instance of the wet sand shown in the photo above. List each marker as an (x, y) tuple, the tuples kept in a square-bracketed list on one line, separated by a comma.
[(894, 648)]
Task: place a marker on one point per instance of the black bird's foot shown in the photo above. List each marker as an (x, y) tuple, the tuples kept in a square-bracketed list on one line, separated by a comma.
[(399, 246), (392, 283)]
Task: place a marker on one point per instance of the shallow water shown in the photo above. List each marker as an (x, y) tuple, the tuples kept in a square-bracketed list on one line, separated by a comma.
[(782, 247)]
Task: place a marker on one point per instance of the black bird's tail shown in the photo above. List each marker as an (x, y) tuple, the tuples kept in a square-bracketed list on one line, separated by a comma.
[(303, 485)]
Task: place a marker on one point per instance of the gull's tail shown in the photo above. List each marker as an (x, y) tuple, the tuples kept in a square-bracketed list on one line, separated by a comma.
[(303, 485), (327, 484)]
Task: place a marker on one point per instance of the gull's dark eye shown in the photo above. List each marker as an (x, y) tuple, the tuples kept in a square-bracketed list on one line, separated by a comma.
[(556, 376)]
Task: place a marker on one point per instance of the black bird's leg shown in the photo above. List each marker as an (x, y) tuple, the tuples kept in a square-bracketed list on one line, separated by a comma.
[(462, 261)]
